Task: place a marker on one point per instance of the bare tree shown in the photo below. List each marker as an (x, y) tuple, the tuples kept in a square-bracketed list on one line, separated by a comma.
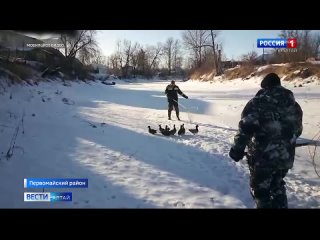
[(289, 34), (153, 54), (99, 58), (84, 42), (168, 53), (145, 60), (114, 64), (216, 52), (142, 61), (307, 45), (316, 45), (117, 59), (88, 55), (134, 57), (177, 56), (250, 58), (126, 55), (196, 41), (126, 52)]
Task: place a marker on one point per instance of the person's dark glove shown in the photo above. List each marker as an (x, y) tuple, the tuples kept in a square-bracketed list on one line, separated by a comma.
[(236, 155), (186, 97)]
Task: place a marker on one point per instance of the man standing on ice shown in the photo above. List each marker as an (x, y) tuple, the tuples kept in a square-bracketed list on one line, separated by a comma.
[(172, 91), (269, 126)]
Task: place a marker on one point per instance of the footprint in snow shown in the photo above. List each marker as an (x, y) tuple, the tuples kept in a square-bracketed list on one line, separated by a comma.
[(68, 101)]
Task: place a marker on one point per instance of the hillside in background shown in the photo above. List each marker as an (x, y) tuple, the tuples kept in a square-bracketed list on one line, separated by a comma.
[(288, 72)]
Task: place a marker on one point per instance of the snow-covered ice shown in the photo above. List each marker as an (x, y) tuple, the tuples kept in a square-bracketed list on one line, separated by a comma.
[(100, 132)]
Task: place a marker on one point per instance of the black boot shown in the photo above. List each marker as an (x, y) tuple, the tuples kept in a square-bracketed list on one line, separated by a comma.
[(177, 113), (169, 115)]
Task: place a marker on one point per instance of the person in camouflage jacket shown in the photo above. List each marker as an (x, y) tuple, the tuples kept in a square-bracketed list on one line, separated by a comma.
[(269, 126)]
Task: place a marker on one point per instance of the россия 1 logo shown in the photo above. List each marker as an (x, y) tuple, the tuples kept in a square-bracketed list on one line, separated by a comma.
[(277, 43)]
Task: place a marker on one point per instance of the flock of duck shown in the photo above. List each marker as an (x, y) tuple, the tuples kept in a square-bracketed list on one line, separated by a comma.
[(170, 132)]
